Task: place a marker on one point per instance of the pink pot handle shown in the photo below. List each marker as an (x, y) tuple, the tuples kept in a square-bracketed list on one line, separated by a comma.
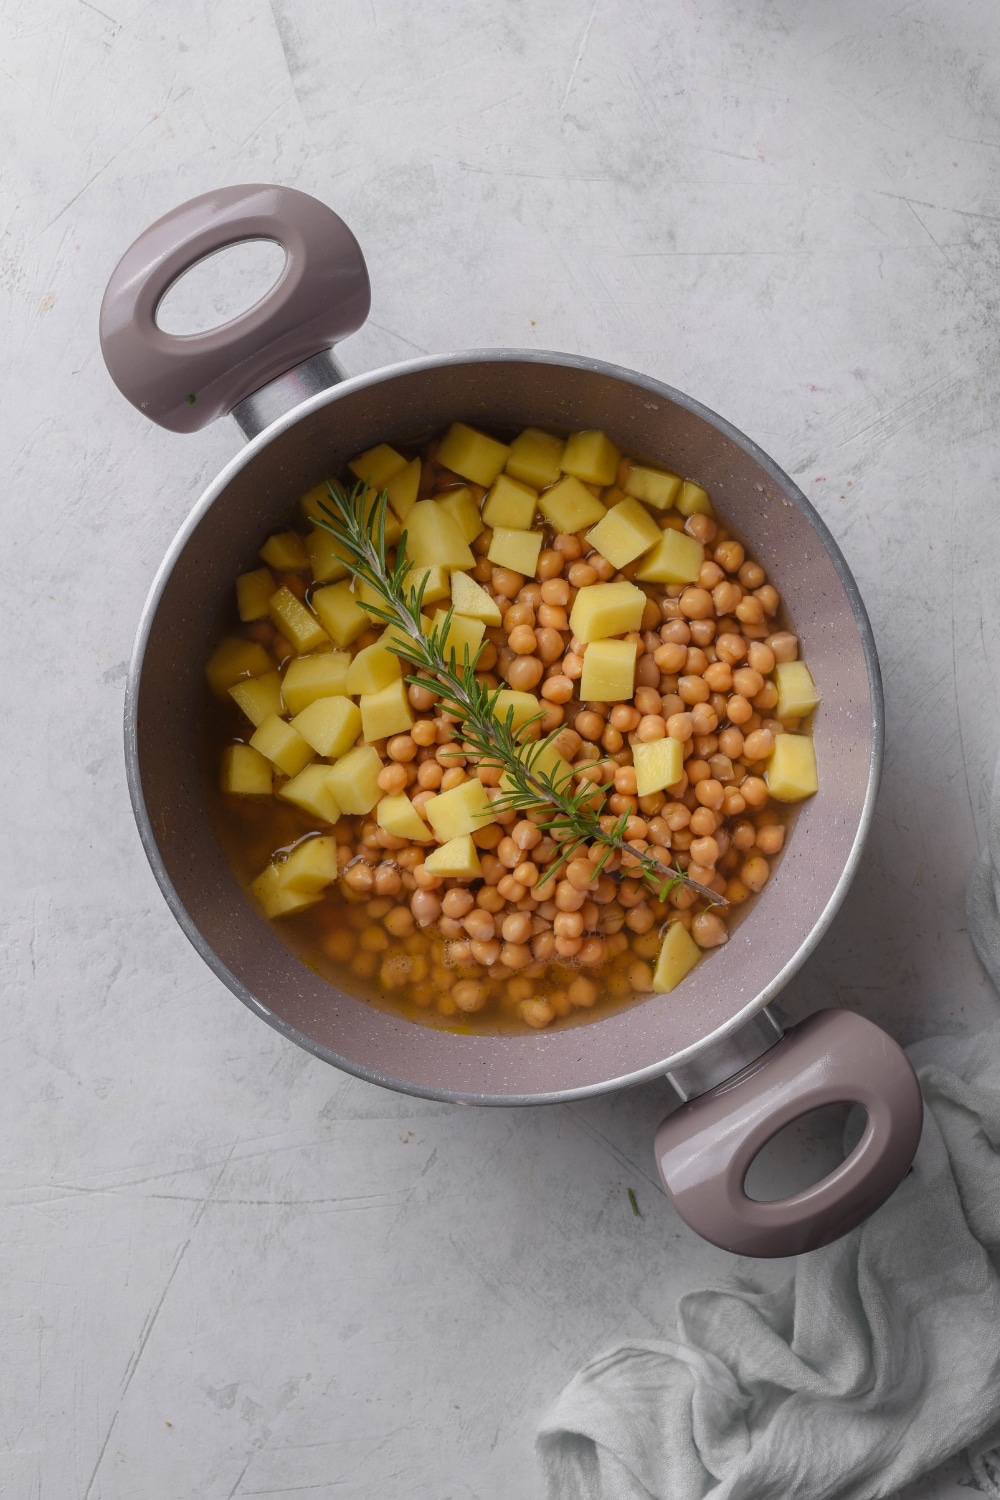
[(321, 296), (704, 1150)]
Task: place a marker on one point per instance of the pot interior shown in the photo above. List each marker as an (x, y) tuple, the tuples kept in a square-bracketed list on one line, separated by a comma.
[(501, 391)]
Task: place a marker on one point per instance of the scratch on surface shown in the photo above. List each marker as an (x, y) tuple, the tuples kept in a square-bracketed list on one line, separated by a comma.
[(944, 256), (602, 1140), (579, 56), (283, 29)]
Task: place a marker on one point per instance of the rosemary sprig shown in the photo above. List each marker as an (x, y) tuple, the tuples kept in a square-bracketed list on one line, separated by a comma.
[(573, 817)]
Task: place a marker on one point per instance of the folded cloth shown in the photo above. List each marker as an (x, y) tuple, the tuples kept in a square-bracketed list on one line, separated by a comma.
[(876, 1361)]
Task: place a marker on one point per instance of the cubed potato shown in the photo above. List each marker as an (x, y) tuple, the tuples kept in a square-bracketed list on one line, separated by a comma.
[(393, 526), (693, 500), (370, 599), (515, 549), (310, 790), (590, 456), (232, 659), (386, 712), (314, 502), (658, 764), (678, 955), (472, 600), (283, 745), (658, 487), (627, 531), (285, 551), (311, 865), (462, 810), (378, 465), (297, 623), (398, 816), (253, 590), (373, 668), (461, 504), (543, 761), (402, 488), (472, 454), (394, 637), (535, 458), (522, 706), (329, 725), (342, 616), (797, 693), (245, 772), (354, 780), (676, 558), (569, 506), (278, 900), (456, 860), (464, 636), (608, 672), (605, 609), (259, 697), (510, 503), (327, 556), (436, 581), (434, 538), (791, 771), (310, 677)]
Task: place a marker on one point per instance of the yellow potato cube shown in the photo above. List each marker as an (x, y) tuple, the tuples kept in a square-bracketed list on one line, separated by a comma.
[(658, 763), (259, 697), (373, 668), (310, 677), (592, 457), (434, 538), (510, 503), (472, 454), (386, 712), (436, 587), (232, 659), (329, 725), (286, 551), (310, 791), (403, 487), (456, 859), (515, 549), (327, 556), (676, 558), (535, 458), (462, 810), (656, 486), (310, 866), (797, 693), (626, 532), (608, 672), (604, 609), (678, 956), (283, 745), (461, 504), (342, 616), (543, 761), (463, 639), (354, 780), (278, 900), (378, 465), (297, 623), (472, 600), (314, 502), (522, 707), (570, 506), (253, 590), (245, 772), (791, 768), (398, 816), (694, 501)]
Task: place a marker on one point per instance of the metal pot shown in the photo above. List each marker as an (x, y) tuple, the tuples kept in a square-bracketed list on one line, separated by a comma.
[(713, 1038)]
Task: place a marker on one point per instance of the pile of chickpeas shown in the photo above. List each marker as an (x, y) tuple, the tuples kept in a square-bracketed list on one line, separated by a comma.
[(520, 947)]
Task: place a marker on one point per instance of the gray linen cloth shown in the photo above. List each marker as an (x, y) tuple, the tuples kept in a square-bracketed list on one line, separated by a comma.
[(878, 1359)]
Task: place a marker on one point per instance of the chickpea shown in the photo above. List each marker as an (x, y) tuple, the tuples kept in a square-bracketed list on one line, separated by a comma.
[(758, 745), (423, 732), (721, 767), (425, 906), (671, 656), (738, 710), (506, 582), (557, 689), (729, 555), (522, 640), (550, 564), (736, 892), (555, 591), (755, 872), (719, 676), (516, 928), (582, 575), (364, 963), (592, 952), (358, 877), (753, 790), (527, 875), (525, 673), (704, 719), (518, 614), (733, 802), (784, 645), (761, 657), (651, 727), (515, 955), (751, 575), (709, 930), (640, 975), (747, 682), (568, 924), (726, 596), (588, 724), (387, 880), (583, 992), (392, 780), (430, 776), (693, 689), (486, 951), (457, 902), (548, 644), (696, 604), (536, 1013), (567, 897), (421, 698), (469, 995), (730, 648), (771, 840), (705, 852), (709, 793), (749, 611), (398, 921), (572, 665)]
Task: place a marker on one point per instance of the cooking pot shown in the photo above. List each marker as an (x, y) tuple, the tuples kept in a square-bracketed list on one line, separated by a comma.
[(714, 1038)]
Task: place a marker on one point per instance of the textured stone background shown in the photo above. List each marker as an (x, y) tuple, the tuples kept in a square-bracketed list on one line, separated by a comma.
[(225, 1269)]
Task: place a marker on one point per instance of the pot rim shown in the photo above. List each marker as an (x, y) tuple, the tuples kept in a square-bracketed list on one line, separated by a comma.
[(636, 379)]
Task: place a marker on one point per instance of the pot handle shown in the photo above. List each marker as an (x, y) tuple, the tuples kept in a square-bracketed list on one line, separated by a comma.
[(185, 381), (704, 1149)]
